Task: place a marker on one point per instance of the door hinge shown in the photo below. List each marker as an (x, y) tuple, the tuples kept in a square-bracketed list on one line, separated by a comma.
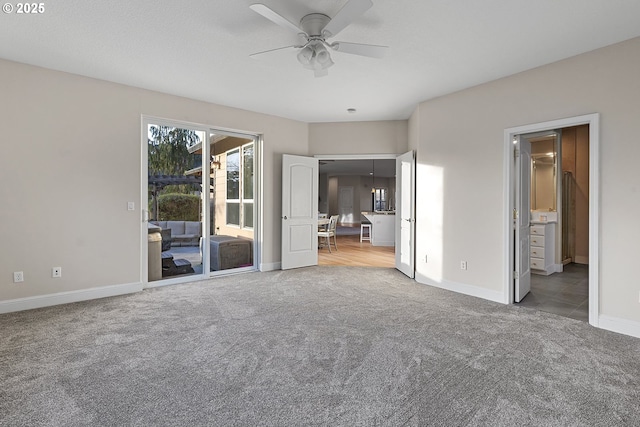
[(515, 275), (516, 154), (515, 213)]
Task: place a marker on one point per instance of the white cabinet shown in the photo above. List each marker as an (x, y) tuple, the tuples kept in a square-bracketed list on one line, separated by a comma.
[(543, 248)]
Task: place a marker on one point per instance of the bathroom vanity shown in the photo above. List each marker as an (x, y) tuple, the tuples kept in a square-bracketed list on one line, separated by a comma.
[(542, 238)]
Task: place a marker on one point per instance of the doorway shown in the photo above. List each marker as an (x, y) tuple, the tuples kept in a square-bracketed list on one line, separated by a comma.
[(559, 192), (301, 216), (348, 186), (577, 275)]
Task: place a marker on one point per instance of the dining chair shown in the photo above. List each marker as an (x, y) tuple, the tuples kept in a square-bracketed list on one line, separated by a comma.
[(330, 232)]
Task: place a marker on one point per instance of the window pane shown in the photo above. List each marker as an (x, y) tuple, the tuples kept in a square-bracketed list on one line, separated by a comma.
[(233, 174), (380, 199), (247, 210), (233, 213), (247, 172)]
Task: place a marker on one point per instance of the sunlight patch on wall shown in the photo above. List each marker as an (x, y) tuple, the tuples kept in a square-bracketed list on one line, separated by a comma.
[(430, 206)]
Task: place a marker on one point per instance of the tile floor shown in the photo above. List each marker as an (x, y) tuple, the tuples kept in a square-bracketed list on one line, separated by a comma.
[(565, 294)]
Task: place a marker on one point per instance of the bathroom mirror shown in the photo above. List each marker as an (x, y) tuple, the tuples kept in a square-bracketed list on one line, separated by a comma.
[(543, 181)]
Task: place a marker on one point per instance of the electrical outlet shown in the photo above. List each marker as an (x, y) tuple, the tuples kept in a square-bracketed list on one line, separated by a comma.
[(18, 276), (463, 265), (56, 272)]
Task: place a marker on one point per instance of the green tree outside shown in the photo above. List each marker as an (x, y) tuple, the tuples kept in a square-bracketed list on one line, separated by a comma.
[(168, 154)]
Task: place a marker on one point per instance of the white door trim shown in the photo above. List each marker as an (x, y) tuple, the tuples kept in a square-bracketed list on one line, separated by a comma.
[(593, 120)]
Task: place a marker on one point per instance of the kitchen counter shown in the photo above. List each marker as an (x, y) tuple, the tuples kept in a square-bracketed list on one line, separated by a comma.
[(383, 227)]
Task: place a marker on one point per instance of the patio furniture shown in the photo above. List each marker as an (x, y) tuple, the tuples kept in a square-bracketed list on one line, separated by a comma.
[(166, 239), (183, 233), (154, 242), (229, 252), (175, 267)]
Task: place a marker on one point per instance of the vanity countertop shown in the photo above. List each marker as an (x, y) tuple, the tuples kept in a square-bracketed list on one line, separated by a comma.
[(544, 217), (379, 213)]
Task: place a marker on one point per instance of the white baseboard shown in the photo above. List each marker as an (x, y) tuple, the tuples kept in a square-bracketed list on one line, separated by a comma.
[(40, 301), (271, 266), (621, 326), (462, 288), (559, 268)]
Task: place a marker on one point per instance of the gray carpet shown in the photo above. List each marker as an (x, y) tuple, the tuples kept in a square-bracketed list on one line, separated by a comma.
[(335, 346)]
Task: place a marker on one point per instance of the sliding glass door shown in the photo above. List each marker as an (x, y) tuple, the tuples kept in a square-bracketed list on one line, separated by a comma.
[(232, 201), (174, 200), (201, 210)]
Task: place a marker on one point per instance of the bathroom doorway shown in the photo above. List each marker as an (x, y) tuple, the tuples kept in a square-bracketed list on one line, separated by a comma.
[(560, 189), (562, 239)]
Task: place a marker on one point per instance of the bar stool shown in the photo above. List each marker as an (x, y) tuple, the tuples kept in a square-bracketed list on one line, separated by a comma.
[(363, 226)]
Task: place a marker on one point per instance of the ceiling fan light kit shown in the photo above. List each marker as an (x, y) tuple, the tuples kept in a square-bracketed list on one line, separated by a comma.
[(315, 28), (315, 57)]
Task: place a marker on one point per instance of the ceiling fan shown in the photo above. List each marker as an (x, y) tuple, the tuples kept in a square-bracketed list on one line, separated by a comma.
[(314, 30)]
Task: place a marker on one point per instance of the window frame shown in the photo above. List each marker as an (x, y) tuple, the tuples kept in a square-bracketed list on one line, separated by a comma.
[(241, 201)]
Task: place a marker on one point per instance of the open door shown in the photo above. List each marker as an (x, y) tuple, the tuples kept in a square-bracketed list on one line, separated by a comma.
[(405, 213), (299, 211), (521, 218)]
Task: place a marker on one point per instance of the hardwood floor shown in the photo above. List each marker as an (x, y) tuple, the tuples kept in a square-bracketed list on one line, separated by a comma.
[(353, 253)]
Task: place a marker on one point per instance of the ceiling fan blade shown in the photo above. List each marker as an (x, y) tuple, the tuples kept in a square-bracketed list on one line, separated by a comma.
[(275, 17), (345, 16), (370, 50), (257, 54)]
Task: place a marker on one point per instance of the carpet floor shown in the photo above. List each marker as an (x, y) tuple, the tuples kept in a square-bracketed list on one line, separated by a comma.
[(325, 346)]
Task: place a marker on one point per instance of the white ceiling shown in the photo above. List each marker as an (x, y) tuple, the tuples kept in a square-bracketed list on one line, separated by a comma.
[(200, 48)]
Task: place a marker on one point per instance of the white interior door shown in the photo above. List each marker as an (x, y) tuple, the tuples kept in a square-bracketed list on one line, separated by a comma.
[(405, 213), (299, 211), (521, 219)]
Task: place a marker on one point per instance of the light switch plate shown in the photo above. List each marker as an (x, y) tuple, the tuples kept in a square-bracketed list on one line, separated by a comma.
[(131, 206)]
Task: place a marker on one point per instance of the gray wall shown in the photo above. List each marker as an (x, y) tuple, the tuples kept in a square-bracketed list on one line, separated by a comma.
[(71, 160), (383, 137)]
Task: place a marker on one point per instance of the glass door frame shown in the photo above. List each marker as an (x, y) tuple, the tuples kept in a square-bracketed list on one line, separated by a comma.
[(205, 213)]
